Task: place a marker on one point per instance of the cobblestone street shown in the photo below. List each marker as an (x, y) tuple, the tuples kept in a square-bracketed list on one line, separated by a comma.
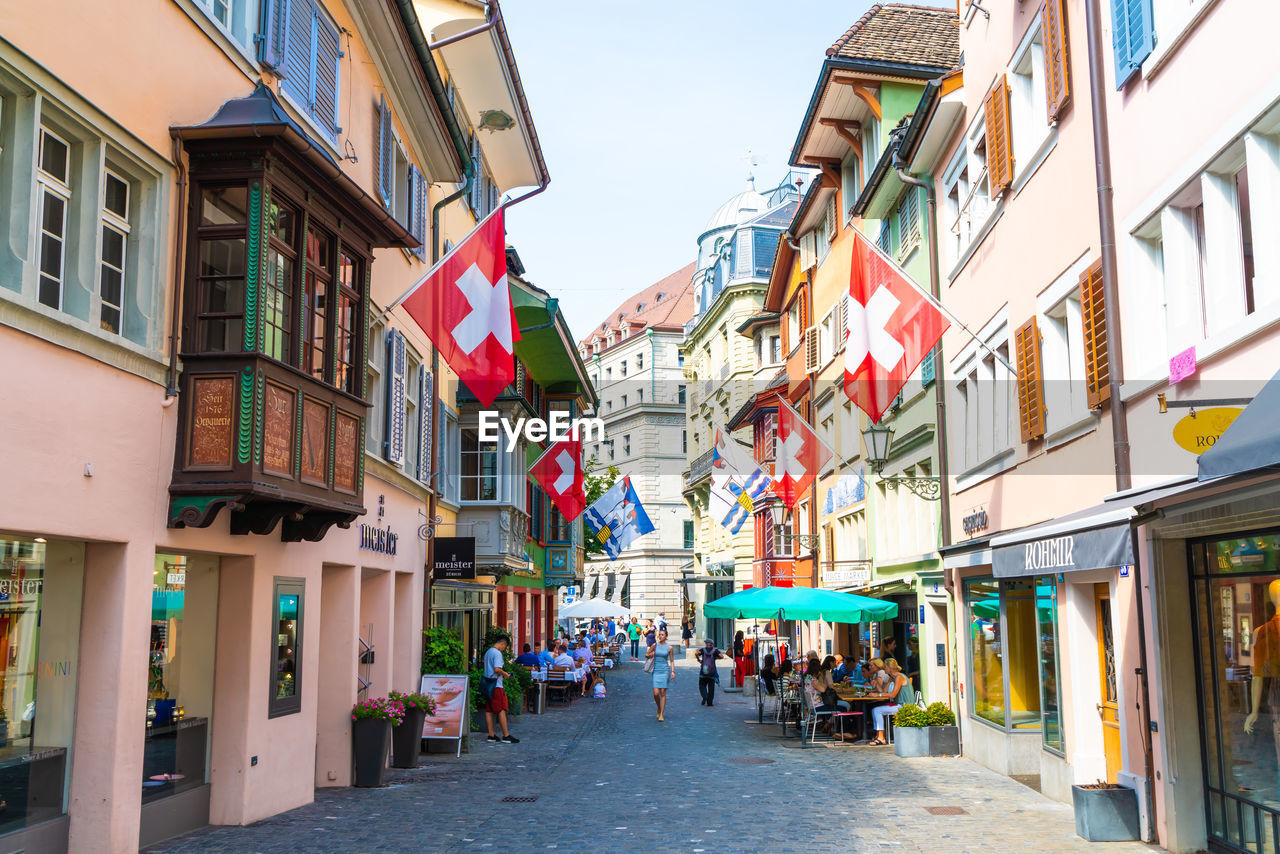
[(608, 777)]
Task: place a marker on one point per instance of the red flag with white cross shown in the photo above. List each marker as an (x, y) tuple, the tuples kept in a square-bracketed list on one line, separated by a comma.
[(559, 472), (892, 326), (799, 457), (464, 306)]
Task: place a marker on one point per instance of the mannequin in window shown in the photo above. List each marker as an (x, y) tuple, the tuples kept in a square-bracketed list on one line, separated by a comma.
[(1266, 663)]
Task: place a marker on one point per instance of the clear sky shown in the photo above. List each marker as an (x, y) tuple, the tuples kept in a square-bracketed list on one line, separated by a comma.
[(646, 112)]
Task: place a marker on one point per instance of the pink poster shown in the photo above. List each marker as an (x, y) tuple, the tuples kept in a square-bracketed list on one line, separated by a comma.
[(1182, 365)]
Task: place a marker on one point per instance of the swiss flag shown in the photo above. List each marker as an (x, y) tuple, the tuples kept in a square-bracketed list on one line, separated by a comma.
[(464, 306), (559, 472), (799, 456), (892, 327)]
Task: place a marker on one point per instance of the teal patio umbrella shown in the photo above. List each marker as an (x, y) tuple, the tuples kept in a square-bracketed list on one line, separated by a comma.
[(800, 603)]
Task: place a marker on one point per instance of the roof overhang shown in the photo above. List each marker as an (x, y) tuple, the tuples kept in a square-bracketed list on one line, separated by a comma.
[(483, 70), (546, 346), (925, 144)]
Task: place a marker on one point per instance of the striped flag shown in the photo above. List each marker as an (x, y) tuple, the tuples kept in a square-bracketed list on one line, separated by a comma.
[(745, 497)]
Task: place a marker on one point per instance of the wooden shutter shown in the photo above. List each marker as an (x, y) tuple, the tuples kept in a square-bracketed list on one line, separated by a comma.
[(426, 421), (394, 442), (383, 161), (1132, 37), (418, 210), (999, 137), (1057, 78), (1093, 313), (833, 219), (811, 359), (1030, 381), (328, 51)]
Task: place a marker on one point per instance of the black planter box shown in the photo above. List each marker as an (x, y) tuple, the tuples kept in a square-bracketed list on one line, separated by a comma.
[(370, 742), (406, 739), (1106, 815), (926, 741)]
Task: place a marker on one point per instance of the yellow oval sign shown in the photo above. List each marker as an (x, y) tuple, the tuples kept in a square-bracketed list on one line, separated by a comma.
[(1197, 433)]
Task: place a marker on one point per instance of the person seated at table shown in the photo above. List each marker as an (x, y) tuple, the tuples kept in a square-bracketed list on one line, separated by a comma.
[(828, 674), (880, 679), (563, 658), (841, 670), (815, 683), (547, 657), (583, 653), (528, 656), (865, 673), (769, 674), (900, 693)]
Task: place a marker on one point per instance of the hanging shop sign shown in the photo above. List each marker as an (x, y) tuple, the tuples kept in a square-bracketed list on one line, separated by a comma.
[(1199, 431), (455, 559), (379, 540)]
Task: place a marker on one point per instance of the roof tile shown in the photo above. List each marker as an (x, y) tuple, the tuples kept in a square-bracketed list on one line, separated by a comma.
[(898, 33)]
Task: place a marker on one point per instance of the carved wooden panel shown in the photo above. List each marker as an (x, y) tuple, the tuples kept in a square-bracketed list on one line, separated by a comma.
[(277, 440), (212, 421), (346, 452), (315, 441)]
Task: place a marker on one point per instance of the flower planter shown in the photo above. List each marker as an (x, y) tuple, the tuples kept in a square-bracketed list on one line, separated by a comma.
[(406, 739), (926, 741), (1106, 815), (371, 738)]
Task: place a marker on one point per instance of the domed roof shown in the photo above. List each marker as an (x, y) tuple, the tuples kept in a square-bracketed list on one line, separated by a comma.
[(740, 208)]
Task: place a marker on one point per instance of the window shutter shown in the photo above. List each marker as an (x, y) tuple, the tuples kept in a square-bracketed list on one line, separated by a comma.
[(1133, 36), (324, 103), (495, 196), (1030, 385), (927, 369), (477, 180), (842, 328), (383, 162), (394, 442), (811, 361), (418, 210), (742, 254), (999, 137), (271, 41), (833, 219), (1057, 82), (882, 240), (299, 50), (1093, 313), (426, 391)]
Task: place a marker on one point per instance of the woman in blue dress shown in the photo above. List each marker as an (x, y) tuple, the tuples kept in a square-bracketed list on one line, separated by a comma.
[(664, 670)]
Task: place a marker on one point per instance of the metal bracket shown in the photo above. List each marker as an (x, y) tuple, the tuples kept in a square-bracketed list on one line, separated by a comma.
[(928, 488)]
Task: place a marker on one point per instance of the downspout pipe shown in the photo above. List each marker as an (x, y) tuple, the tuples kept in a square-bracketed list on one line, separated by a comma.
[(409, 15)]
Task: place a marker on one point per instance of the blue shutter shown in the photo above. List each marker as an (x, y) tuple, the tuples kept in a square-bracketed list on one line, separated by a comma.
[(394, 441), (426, 391), (299, 50), (383, 160), (324, 101), (478, 177), (1133, 36), (927, 369), (418, 210), (271, 40)]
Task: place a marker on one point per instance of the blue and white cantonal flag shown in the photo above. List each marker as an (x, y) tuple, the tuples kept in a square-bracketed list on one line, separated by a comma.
[(737, 483), (617, 519)]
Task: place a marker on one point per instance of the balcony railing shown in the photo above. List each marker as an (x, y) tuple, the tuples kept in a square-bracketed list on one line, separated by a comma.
[(699, 469)]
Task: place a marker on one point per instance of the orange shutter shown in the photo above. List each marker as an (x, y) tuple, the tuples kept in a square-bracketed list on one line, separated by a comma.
[(999, 137), (1093, 313), (1030, 381), (1057, 82)]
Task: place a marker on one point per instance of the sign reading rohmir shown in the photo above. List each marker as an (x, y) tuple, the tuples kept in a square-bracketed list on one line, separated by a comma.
[(455, 559)]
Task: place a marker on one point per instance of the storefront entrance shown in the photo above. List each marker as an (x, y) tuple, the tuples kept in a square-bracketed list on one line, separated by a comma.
[(466, 609), (1109, 707), (1236, 585)]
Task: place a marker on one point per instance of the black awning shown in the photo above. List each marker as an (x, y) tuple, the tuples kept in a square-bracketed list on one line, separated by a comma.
[(1252, 441)]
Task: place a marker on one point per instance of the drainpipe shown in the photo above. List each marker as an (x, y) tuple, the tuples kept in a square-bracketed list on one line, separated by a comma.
[(171, 378), (1110, 301)]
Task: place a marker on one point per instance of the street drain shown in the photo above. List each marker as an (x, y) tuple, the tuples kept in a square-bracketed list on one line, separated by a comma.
[(946, 811), (519, 799), (750, 760)]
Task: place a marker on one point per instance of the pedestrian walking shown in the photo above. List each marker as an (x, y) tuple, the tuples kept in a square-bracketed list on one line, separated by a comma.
[(739, 659), (686, 633), (650, 635), (497, 697), (633, 633), (662, 665), (708, 675)]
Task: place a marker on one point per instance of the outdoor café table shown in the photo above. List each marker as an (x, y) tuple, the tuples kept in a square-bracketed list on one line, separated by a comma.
[(866, 701)]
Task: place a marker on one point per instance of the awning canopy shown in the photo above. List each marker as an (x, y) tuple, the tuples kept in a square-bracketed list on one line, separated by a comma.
[(594, 608), (799, 603), (1251, 442)]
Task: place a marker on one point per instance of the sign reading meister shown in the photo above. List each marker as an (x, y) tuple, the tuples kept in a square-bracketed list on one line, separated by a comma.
[(454, 559)]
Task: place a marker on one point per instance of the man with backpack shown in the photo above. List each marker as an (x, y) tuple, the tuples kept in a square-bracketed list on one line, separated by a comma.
[(708, 676)]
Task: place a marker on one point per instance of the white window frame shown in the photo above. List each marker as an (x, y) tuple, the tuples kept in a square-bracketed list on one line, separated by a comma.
[(982, 399), (110, 220), (48, 184), (971, 212), (412, 370), (1067, 413), (450, 456), (1173, 20), (376, 361), (827, 336)]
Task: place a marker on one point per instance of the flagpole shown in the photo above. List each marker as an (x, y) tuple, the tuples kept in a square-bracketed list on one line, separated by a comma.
[(936, 303)]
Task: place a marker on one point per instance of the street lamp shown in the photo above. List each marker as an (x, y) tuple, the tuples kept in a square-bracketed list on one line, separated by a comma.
[(877, 438)]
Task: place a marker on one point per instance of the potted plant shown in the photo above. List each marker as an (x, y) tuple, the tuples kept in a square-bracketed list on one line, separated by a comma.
[(929, 731), (371, 723), (1106, 812), (406, 736)]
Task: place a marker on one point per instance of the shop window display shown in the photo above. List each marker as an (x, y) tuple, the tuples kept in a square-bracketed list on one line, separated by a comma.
[(286, 670), (41, 590), (1047, 619), (1004, 652), (1237, 598), (179, 674)]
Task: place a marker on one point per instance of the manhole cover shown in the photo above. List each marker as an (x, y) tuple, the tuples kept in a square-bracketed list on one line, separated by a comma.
[(946, 811), (519, 799), (751, 760)]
